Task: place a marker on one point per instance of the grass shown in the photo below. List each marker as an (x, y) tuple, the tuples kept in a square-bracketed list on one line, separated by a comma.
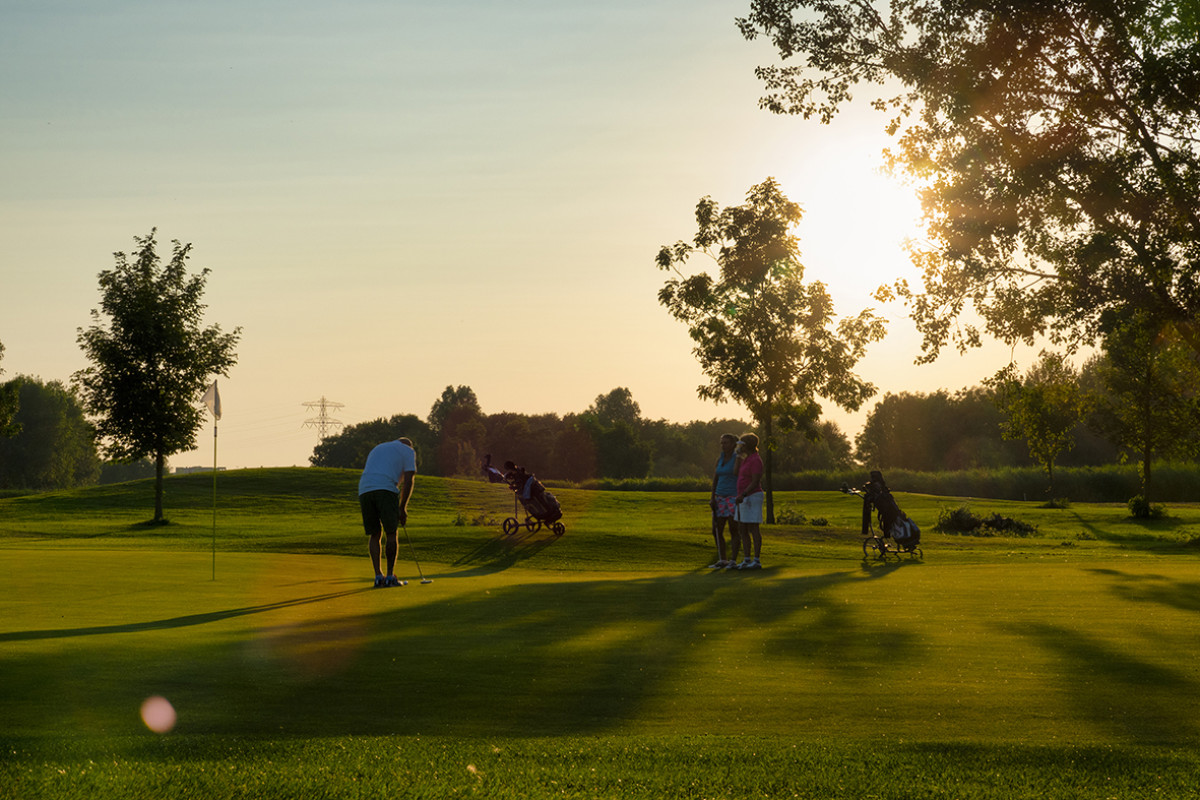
[(606, 663)]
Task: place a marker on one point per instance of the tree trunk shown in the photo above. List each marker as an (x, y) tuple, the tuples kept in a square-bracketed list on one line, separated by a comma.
[(160, 463)]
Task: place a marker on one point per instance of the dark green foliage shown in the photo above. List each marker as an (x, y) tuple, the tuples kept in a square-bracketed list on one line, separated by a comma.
[(8, 404), (55, 446), (963, 521), (349, 447), (1141, 508)]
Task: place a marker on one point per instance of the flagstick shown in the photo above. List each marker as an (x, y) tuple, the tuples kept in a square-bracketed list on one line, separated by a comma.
[(214, 538)]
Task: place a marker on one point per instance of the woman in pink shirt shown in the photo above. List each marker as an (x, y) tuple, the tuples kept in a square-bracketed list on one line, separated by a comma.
[(750, 500)]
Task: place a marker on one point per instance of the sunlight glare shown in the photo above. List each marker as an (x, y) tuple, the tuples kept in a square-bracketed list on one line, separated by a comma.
[(857, 219)]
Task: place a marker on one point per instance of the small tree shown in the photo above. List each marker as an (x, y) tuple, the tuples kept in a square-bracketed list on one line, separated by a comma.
[(763, 337), (151, 358), (1149, 406), (1044, 408)]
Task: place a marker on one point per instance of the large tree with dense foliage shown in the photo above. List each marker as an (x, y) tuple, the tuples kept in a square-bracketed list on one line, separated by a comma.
[(763, 337), (151, 357), (1056, 144)]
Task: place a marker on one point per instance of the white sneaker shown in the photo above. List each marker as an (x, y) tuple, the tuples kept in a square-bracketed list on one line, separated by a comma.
[(719, 565), (755, 564)]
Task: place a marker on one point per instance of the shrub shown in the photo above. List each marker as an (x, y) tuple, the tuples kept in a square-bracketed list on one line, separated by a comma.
[(958, 520), (790, 516), (1141, 508), (1007, 526), (963, 521)]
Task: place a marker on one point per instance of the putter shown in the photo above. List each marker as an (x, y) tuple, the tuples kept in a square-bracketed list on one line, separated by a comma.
[(414, 555)]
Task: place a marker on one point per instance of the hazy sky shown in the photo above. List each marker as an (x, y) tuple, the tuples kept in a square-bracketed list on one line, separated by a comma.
[(396, 196)]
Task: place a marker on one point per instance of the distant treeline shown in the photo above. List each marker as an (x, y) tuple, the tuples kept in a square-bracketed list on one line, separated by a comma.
[(610, 442), (610, 439)]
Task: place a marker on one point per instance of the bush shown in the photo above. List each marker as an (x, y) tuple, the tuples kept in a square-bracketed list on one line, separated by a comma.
[(963, 521), (958, 520), (1141, 508), (789, 516), (1007, 526)]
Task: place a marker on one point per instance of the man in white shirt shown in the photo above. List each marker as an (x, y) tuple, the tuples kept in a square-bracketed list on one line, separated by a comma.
[(383, 492)]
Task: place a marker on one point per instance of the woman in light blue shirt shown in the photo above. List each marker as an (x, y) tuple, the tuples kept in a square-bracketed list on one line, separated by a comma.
[(723, 502)]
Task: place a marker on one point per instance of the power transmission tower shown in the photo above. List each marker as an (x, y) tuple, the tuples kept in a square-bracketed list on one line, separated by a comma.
[(322, 422)]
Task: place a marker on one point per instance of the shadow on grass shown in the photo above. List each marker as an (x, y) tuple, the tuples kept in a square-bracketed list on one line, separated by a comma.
[(503, 551), (1183, 595), (1119, 690), (173, 622), (536, 659)]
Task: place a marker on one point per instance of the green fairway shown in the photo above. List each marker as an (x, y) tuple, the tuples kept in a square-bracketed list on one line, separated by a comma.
[(607, 662)]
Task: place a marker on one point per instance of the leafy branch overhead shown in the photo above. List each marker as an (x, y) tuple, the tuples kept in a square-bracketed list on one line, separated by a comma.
[(1056, 144)]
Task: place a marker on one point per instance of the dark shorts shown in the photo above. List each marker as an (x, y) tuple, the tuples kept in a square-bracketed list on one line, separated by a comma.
[(380, 509)]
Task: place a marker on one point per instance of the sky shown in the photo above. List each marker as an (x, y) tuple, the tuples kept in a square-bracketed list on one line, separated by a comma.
[(394, 197)]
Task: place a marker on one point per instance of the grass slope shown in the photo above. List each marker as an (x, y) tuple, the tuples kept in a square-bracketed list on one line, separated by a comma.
[(607, 662)]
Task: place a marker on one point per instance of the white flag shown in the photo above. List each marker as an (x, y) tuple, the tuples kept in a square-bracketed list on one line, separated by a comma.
[(212, 399)]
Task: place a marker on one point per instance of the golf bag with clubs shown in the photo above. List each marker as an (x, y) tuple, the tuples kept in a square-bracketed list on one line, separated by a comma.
[(541, 507)]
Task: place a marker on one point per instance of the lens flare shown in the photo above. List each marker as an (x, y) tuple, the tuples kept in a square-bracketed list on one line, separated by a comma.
[(158, 714)]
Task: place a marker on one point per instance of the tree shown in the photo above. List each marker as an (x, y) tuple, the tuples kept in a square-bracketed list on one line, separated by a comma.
[(1056, 143), (151, 357), (9, 403), (349, 447), (763, 337), (1044, 408), (55, 447), (1150, 405), (936, 432), (457, 423)]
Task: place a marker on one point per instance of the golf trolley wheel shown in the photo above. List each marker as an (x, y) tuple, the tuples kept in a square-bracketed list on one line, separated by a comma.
[(873, 546), (510, 526), (533, 524), (558, 528)]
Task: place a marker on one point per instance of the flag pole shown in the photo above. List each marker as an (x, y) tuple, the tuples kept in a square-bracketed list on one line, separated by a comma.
[(212, 399), (214, 536)]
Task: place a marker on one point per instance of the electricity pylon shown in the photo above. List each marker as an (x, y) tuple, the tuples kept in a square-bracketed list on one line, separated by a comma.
[(322, 422)]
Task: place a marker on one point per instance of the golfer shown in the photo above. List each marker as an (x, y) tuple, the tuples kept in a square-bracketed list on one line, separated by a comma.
[(383, 492)]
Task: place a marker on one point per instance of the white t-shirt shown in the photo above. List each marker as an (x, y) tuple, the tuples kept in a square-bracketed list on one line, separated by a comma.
[(386, 465)]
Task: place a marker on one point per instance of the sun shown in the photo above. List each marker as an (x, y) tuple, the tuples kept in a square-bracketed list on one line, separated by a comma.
[(857, 219)]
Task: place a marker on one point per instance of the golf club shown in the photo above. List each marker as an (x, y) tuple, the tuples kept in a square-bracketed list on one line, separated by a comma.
[(414, 555)]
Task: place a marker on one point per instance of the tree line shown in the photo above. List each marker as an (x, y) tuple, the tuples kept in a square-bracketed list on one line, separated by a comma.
[(609, 439)]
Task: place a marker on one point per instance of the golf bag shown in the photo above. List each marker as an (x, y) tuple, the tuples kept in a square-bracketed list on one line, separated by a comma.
[(893, 522), (541, 507)]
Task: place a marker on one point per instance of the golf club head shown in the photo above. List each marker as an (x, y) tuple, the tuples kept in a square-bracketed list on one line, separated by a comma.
[(427, 580)]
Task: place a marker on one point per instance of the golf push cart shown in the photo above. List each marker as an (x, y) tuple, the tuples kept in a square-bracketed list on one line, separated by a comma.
[(898, 534), (541, 507)]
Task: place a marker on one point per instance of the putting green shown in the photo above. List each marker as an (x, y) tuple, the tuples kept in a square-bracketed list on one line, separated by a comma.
[(1022, 652)]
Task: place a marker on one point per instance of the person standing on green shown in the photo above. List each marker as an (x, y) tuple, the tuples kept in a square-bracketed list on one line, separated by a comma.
[(383, 492), (750, 500), (724, 490)]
